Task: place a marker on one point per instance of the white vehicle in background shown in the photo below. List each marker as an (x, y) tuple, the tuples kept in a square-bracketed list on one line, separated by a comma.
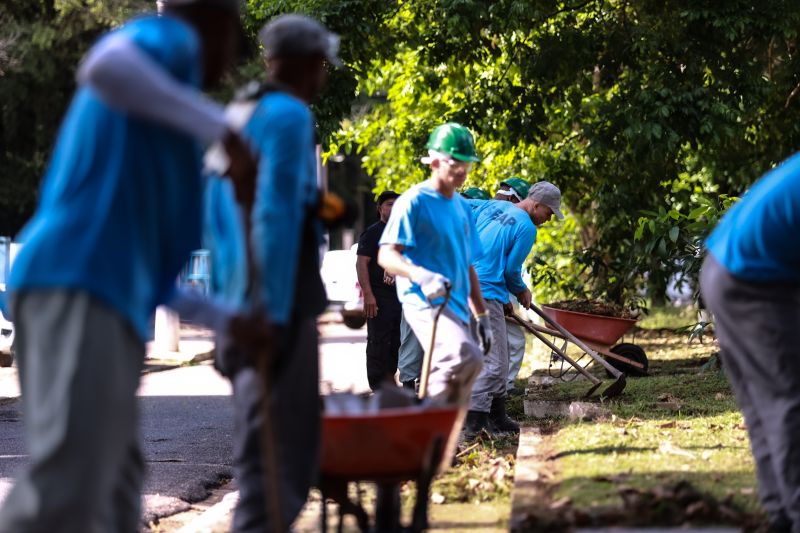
[(344, 294), (8, 250)]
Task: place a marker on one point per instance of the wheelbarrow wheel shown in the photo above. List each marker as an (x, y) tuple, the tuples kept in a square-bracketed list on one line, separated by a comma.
[(634, 353)]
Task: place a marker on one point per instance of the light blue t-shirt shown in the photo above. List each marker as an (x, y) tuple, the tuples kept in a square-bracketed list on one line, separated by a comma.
[(507, 235), (438, 234), (120, 208), (224, 238), (757, 239)]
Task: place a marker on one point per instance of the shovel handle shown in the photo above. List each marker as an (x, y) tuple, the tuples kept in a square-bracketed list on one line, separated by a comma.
[(428, 357), (576, 341), (555, 348)]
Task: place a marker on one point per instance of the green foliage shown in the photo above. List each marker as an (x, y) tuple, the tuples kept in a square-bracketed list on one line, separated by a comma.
[(627, 106), (41, 43)]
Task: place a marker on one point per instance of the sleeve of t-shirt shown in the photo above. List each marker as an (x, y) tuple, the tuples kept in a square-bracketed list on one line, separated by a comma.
[(368, 243), (400, 227), (521, 247)]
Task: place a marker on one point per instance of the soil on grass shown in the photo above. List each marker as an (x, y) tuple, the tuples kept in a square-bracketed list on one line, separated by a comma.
[(594, 307)]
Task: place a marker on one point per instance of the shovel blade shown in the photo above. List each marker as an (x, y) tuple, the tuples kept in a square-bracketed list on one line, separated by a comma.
[(591, 391), (616, 388)]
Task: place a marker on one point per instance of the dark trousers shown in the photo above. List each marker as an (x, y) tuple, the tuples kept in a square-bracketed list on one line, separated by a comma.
[(295, 422), (757, 325), (383, 338)]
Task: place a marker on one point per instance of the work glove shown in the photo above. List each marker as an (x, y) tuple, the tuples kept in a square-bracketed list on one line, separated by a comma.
[(485, 335), (431, 284)]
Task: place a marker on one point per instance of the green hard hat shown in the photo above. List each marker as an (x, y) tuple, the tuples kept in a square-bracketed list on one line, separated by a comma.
[(454, 140), (520, 186), (476, 193)]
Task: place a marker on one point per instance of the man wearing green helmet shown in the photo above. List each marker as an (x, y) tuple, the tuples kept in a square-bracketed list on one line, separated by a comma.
[(514, 190), (475, 193), (430, 243), (507, 233)]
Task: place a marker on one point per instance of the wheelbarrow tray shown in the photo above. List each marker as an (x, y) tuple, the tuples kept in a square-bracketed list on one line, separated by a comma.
[(388, 444), (600, 330)]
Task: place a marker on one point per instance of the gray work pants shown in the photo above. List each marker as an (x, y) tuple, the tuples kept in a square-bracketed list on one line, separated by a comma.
[(757, 325), (456, 359), (516, 350), (79, 366), (493, 379), (409, 360), (295, 423)]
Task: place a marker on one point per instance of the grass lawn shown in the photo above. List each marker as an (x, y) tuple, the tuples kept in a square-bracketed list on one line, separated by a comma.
[(679, 424)]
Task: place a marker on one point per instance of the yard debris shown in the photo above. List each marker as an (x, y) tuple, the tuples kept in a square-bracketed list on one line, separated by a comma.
[(668, 448), (594, 307)]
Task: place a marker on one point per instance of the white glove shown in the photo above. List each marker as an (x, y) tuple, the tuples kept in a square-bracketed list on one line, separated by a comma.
[(485, 335), (431, 284)]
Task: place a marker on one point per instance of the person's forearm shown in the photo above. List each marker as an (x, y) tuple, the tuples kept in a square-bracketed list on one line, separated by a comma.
[(393, 262), (476, 301), (128, 80), (207, 312), (362, 272)]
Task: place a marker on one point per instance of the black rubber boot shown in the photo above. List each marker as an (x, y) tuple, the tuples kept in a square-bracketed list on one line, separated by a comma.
[(498, 417), (476, 423)]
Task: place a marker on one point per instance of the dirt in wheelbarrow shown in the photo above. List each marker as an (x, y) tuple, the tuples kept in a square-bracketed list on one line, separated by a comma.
[(594, 307)]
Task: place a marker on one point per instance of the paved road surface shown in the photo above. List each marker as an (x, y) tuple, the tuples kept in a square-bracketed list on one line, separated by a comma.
[(186, 422)]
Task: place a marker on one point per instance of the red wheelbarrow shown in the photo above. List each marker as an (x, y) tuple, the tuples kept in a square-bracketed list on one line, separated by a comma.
[(595, 335), (388, 447)]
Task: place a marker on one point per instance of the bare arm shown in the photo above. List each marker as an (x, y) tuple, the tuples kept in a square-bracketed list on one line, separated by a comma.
[(477, 304), (362, 271), (390, 257)]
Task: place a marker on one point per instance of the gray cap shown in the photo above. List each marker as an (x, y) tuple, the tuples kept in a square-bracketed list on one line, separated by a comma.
[(230, 5), (548, 194), (296, 36)]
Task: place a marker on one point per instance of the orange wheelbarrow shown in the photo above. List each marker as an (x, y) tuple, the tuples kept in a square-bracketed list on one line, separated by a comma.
[(388, 447)]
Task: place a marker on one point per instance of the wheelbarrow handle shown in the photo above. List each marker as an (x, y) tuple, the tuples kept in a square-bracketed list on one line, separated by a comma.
[(555, 348), (576, 341)]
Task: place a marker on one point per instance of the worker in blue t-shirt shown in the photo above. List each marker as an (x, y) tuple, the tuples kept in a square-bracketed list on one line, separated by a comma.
[(118, 217), (285, 240), (507, 232), (430, 244), (750, 280)]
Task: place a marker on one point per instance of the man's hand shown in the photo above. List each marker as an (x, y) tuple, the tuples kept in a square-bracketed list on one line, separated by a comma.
[(485, 335), (508, 309), (370, 306), (524, 298), (242, 169), (388, 278), (431, 284), (252, 333)]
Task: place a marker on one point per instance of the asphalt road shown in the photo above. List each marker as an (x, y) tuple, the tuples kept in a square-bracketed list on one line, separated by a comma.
[(186, 422)]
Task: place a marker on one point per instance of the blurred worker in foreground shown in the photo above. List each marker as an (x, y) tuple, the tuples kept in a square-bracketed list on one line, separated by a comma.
[(430, 243), (514, 190), (286, 235), (750, 280), (118, 217), (381, 306), (507, 232)]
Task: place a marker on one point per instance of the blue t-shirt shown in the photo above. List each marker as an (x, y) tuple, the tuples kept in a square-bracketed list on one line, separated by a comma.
[(438, 234), (282, 128), (507, 235), (120, 208), (224, 238), (756, 240)]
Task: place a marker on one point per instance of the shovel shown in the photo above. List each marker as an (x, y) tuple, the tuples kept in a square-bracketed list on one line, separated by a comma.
[(612, 391)]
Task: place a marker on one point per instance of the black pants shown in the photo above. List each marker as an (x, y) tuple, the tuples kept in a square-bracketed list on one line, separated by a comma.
[(757, 325), (383, 338)]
